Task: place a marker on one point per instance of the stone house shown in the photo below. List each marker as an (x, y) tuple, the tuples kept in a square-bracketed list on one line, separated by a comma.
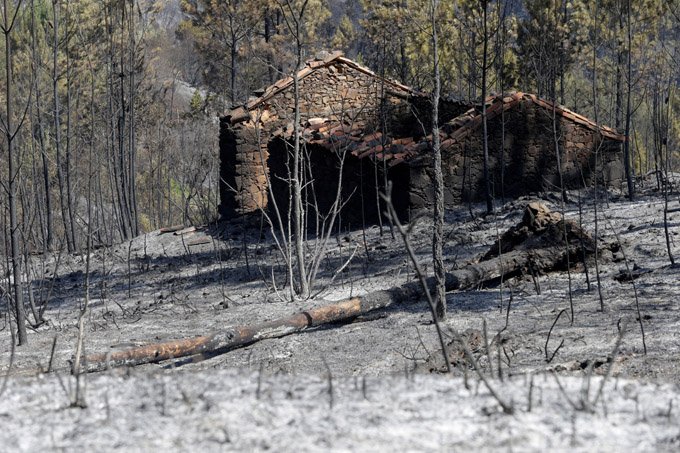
[(347, 112), (359, 130), (522, 134)]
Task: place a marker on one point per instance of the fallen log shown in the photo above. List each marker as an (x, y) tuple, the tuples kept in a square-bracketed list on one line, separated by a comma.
[(468, 277), (511, 262), (224, 340), (171, 229), (236, 337), (199, 241)]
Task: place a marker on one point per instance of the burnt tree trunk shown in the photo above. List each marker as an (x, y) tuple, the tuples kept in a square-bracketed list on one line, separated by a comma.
[(438, 220), (468, 277)]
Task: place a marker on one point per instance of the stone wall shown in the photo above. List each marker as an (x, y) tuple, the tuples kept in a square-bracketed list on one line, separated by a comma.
[(525, 163)]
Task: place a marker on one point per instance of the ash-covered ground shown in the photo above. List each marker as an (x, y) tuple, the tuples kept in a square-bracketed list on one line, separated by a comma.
[(366, 384)]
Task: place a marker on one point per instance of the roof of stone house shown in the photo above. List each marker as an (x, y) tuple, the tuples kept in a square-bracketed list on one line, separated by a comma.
[(354, 139), (472, 119), (322, 60)]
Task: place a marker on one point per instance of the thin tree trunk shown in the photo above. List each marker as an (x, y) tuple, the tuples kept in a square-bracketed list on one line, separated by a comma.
[(404, 69), (132, 146), (271, 73), (67, 156), (13, 174), (298, 223), (383, 125), (618, 112), (298, 220), (115, 181), (438, 233), (376, 184), (597, 161), (485, 132), (558, 159), (562, 51), (472, 76), (122, 129), (120, 159), (40, 137), (664, 142), (63, 201), (500, 54), (232, 66), (79, 396), (626, 144)]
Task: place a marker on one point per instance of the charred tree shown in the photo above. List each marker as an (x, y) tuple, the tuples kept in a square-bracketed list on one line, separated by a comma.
[(438, 233)]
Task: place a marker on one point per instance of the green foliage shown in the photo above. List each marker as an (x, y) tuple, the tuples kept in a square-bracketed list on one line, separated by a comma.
[(218, 30), (386, 24), (545, 40), (398, 39), (196, 103), (345, 34), (230, 36)]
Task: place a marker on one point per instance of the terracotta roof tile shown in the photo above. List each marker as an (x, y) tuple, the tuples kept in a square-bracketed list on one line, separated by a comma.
[(463, 125), (372, 136), (335, 135)]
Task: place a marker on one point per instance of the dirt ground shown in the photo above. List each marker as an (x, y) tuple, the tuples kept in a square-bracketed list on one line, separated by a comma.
[(309, 390)]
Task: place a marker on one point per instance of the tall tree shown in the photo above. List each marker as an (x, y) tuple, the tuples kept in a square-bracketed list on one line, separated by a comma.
[(45, 209), (123, 62), (384, 49), (544, 45), (11, 132), (438, 233), (62, 171), (484, 5), (293, 13), (629, 87), (219, 29)]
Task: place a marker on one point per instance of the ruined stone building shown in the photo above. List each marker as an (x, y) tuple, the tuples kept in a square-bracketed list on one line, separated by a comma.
[(359, 130), (522, 134)]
